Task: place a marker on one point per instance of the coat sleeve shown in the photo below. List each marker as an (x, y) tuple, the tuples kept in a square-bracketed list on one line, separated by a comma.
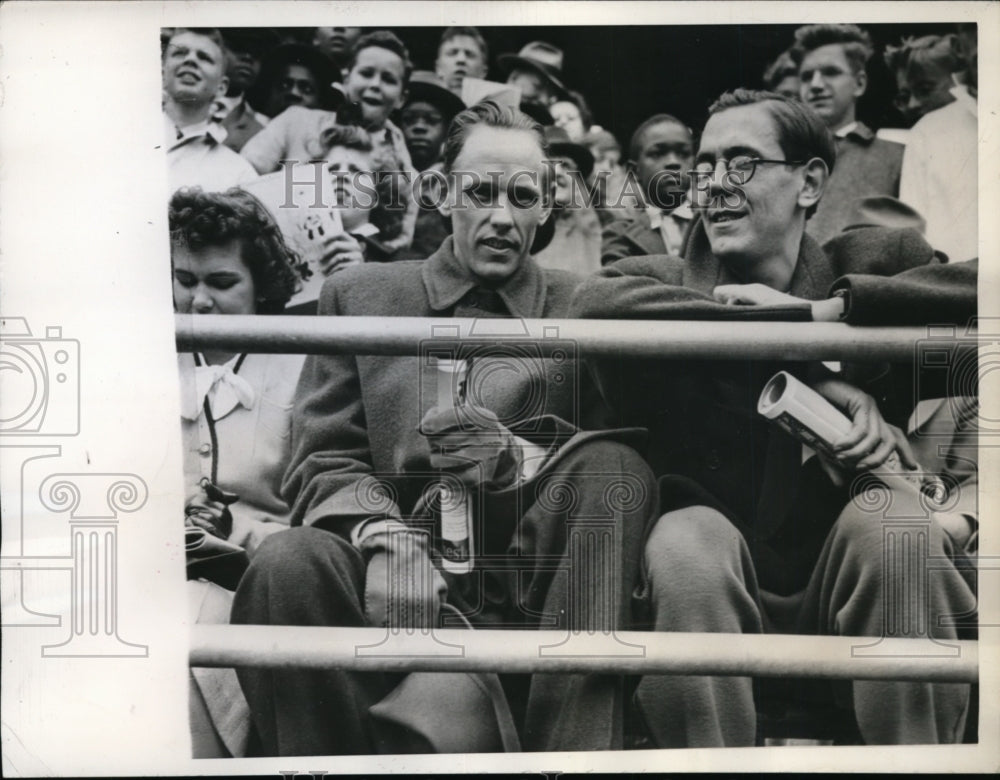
[(266, 150), (325, 483), (614, 243), (920, 296), (650, 288)]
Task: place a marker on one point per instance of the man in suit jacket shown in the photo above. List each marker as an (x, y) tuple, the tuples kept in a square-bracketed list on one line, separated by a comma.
[(751, 536), (369, 441), (660, 156), (832, 60)]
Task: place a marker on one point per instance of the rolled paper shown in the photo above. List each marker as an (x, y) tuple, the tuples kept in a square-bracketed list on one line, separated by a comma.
[(810, 418)]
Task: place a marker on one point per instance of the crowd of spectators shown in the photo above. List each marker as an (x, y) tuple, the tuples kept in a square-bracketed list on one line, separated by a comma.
[(320, 172)]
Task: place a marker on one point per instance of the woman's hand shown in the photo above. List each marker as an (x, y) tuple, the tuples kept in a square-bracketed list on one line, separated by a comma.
[(870, 440), (202, 512), (339, 251)]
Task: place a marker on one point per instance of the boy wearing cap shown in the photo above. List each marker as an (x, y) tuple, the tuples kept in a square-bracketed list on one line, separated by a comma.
[(245, 48), (425, 117)]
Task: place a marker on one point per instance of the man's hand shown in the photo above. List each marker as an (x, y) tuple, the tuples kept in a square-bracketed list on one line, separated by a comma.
[(753, 295), (761, 295), (869, 442), (403, 588), (471, 443), (339, 251)]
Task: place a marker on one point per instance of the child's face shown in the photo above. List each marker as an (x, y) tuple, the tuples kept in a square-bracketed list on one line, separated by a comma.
[(376, 81), (352, 185)]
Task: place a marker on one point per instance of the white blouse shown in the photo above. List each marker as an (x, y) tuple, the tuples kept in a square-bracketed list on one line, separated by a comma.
[(252, 413)]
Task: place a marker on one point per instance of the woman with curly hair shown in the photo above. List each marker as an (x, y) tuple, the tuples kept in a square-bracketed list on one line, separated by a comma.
[(228, 257)]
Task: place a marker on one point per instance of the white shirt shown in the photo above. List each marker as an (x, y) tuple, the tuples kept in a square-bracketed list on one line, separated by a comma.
[(671, 226), (940, 176), (196, 156)]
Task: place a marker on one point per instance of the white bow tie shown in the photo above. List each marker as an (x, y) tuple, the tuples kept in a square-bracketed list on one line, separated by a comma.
[(224, 390)]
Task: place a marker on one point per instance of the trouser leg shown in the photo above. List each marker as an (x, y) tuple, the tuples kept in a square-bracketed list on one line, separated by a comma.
[(307, 577), (865, 585), (589, 515), (701, 579)]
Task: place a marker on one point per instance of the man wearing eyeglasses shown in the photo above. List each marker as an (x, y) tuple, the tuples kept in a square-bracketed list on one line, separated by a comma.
[(753, 535)]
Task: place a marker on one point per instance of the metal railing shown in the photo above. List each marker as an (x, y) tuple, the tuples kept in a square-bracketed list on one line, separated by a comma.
[(369, 649)]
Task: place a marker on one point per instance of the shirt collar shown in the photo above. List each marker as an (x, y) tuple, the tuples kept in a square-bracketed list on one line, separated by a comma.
[(212, 132), (846, 130), (858, 130), (447, 280), (962, 96), (656, 215)]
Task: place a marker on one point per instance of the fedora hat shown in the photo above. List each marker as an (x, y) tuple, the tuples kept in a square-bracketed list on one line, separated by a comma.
[(884, 211), (428, 86), (539, 56)]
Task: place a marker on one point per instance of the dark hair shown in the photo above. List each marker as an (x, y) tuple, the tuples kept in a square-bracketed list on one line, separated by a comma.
[(383, 39), (490, 114), (275, 65), (383, 215), (928, 50), (578, 100), (802, 134), (200, 219), (656, 119), (468, 32), (779, 70), (856, 42)]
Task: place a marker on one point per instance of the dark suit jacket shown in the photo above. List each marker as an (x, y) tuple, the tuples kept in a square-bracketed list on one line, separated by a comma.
[(241, 125), (359, 414), (704, 428), (865, 166), (628, 237)]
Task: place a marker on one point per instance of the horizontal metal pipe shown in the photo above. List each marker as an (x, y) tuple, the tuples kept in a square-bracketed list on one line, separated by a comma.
[(591, 338), (626, 652)]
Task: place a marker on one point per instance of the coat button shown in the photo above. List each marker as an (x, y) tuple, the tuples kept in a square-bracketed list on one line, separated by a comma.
[(205, 449), (713, 461)]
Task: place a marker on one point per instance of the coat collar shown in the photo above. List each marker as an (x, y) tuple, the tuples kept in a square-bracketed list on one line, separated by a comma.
[(811, 278), (447, 280)]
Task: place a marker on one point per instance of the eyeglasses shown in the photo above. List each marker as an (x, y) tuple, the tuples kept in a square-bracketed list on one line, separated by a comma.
[(742, 166)]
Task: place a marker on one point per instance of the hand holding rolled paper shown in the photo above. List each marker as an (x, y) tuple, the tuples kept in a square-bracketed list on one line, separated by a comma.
[(849, 439)]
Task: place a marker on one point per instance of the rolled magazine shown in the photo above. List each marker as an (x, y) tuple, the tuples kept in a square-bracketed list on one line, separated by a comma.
[(813, 420)]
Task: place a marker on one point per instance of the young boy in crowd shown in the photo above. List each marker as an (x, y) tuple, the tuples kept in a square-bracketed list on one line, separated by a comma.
[(660, 155), (428, 111), (353, 222), (374, 87)]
